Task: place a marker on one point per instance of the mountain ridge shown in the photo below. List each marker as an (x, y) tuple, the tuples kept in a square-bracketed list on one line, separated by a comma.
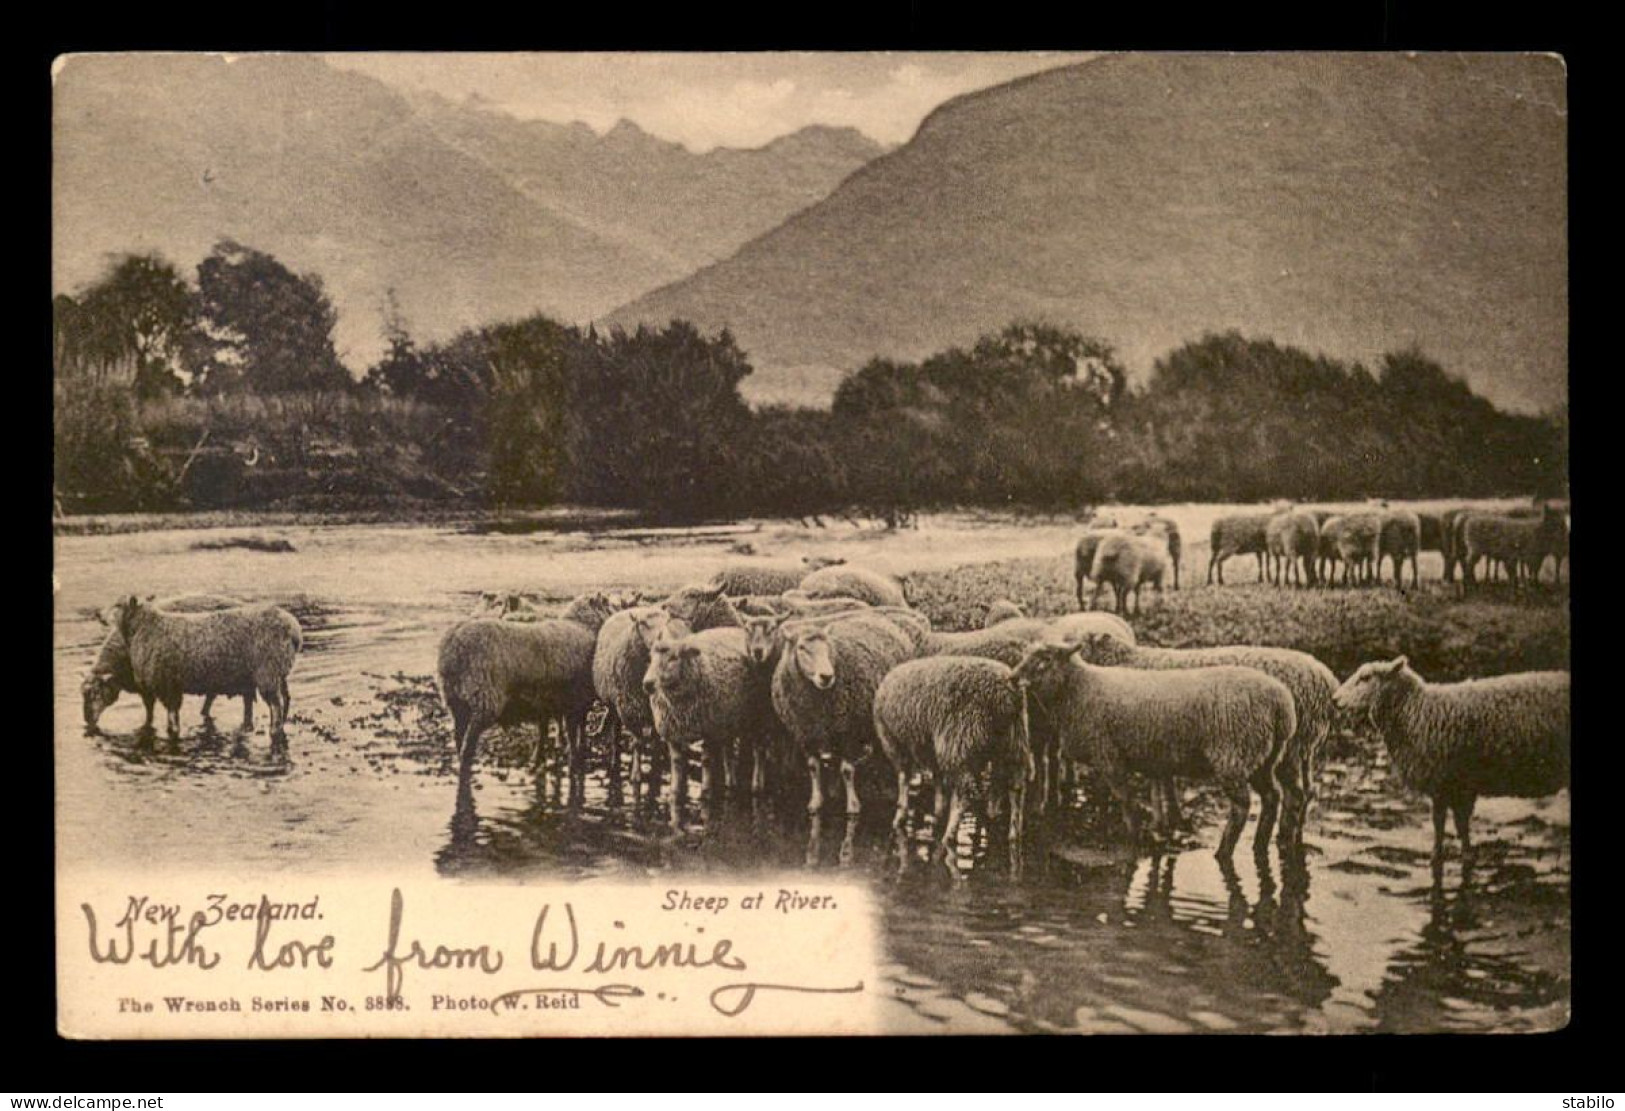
[(1351, 205)]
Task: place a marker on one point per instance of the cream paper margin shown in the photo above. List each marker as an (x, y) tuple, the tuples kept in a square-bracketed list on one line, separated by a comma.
[(813, 964)]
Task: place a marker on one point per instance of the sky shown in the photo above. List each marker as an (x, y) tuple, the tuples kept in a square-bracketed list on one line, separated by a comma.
[(709, 100)]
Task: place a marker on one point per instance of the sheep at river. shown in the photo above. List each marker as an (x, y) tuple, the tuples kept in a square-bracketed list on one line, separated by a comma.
[(1311, 682), (704, 691), (824, 688), (1229, 724), (954, 717), (1458, 742), (620, 658), (507, 672), (110, 675), (231, 651)]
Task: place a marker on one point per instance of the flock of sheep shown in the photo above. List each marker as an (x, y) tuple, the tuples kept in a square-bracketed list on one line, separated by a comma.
[(1303, 547), (764, 674)]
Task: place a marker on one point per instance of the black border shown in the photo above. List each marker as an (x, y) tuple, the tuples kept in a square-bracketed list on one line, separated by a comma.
[(1571, 1060)]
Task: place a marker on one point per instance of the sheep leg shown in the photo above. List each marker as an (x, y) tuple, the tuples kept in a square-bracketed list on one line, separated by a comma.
[(1241, 803), (248, 711), (849, 776), (1118, 782), (1462, 809), (1269, 809), (815, 773), (902, 801), (679, 780), (172, 717), (208, 705), (1441, 813), (1080, 591), (1018, 819), (947, 815)]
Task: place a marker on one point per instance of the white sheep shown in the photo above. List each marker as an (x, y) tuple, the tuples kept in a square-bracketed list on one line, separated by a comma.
[(620, 658), (507, 672), (1230, 724), (823, 691), (1457, 742), (110, 675), (955, 717), (1168, 531), (1400, 539), (1083, 555), (1355, 539), (1292, 538), (847, 580), (230, 651), (1311, 682), (1126, 563), (1517, 543), (1237, 534), (1002, 609), (704, 691)]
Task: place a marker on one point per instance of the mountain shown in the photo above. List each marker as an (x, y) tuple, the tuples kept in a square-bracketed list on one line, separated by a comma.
[(1351, 204), (469, 215)]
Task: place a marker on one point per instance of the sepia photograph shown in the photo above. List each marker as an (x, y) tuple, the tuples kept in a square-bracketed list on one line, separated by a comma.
[(797, 543)]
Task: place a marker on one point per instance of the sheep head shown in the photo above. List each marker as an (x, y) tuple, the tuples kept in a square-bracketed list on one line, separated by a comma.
[(1098, 648), (650, 621), (814, 658), (100, 691), (672, 663), (1371, 684), (1043, 664), (761, 636), (123, 613)]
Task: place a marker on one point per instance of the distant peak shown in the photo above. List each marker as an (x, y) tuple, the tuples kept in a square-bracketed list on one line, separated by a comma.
[(625, 129)]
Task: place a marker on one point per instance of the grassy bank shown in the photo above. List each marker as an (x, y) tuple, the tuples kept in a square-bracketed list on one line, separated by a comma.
[(1446, 637)]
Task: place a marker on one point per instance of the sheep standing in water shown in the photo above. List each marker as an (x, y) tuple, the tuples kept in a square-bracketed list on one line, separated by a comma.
[(507, 672), (824, 690), (229, 651), (954, 717), (620, 658), (1312, 685), (703, 690), (1458, 742), (1229, 724), (110, 675)]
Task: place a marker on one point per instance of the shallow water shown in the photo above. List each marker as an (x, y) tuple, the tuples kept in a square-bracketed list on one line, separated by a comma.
[(1358, 935)]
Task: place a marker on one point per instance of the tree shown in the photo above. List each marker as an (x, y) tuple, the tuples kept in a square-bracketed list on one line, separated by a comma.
[(135, 323), (656, 419), (263, 327)]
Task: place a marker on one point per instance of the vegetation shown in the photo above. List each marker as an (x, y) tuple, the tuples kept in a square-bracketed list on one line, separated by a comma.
[(1446, 638), (227, 392)]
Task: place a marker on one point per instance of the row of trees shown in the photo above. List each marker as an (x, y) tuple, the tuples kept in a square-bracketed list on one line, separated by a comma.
[(532, 412)]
